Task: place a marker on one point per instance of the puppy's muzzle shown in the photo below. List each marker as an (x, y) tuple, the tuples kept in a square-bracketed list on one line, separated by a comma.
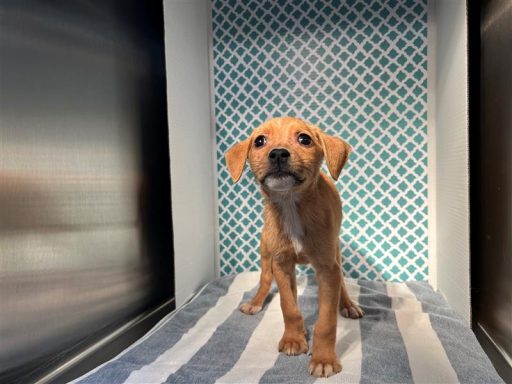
[(279, 157), (280, 177)]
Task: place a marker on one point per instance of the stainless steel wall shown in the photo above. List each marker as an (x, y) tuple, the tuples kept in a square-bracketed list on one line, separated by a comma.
[(85, 233), (492, 185)]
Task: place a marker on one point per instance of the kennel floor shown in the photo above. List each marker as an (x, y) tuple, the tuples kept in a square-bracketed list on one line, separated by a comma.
[(409, 334)]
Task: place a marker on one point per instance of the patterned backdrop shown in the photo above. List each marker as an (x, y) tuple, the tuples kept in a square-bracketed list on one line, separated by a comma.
[(356, 68)]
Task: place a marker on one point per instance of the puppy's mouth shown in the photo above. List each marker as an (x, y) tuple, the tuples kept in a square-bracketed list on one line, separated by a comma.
[(281, 180)]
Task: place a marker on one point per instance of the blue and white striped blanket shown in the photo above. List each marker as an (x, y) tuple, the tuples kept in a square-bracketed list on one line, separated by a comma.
[(409, 334)]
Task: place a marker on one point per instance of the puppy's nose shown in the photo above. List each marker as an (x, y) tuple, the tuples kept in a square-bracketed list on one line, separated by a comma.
[(279, 156)]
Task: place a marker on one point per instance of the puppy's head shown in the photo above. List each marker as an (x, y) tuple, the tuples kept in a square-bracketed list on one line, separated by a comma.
[(285, 154)]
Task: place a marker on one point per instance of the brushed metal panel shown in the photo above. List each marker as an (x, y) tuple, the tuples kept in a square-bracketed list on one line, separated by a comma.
[(84, 175), (493, 232)]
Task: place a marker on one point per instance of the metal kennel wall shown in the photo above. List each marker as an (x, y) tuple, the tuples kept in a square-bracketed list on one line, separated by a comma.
[(85, 231)]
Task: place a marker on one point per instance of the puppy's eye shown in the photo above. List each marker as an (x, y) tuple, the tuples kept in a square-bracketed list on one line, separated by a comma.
[(304, 139), (260, 141)]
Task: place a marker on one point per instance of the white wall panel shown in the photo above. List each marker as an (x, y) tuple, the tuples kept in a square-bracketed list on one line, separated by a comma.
[(188, 92), (452, 157)]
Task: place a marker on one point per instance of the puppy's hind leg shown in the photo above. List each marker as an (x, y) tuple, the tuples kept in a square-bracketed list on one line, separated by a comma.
[(256, 304), (348, 308)]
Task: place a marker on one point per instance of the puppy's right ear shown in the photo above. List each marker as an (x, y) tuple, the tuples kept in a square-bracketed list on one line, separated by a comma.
[(236, 157)]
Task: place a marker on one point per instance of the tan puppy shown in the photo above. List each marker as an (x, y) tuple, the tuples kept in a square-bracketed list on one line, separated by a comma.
[(302, 223)]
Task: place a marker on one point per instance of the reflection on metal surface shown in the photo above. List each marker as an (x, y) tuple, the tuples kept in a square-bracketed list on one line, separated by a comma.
[(84, 190), (48, 309)]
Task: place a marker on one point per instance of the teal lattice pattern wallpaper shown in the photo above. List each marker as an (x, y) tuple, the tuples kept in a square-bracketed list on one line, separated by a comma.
[(356, 68)]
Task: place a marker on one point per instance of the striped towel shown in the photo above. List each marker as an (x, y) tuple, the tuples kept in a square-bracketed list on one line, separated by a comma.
[(408, 335)]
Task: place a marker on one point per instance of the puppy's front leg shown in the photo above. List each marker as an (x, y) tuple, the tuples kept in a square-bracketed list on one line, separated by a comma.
[(255, 305), (293, 341), (324, 362)]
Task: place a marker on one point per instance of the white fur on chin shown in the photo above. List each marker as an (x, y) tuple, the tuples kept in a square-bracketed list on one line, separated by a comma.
[(280, 184)]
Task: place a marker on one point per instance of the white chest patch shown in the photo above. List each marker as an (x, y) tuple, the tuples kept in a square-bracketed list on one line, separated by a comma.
[(291, 222)]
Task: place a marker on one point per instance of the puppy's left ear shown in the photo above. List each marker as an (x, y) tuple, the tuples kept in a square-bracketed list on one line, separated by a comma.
[(336, 152), (236, 157)]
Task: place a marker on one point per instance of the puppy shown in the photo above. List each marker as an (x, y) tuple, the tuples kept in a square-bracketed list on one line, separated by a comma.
[(302, 222)]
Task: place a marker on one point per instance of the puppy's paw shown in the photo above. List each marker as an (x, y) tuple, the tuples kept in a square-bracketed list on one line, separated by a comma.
[(324, 367), (250, 309), (293, 346), (352, 311)]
